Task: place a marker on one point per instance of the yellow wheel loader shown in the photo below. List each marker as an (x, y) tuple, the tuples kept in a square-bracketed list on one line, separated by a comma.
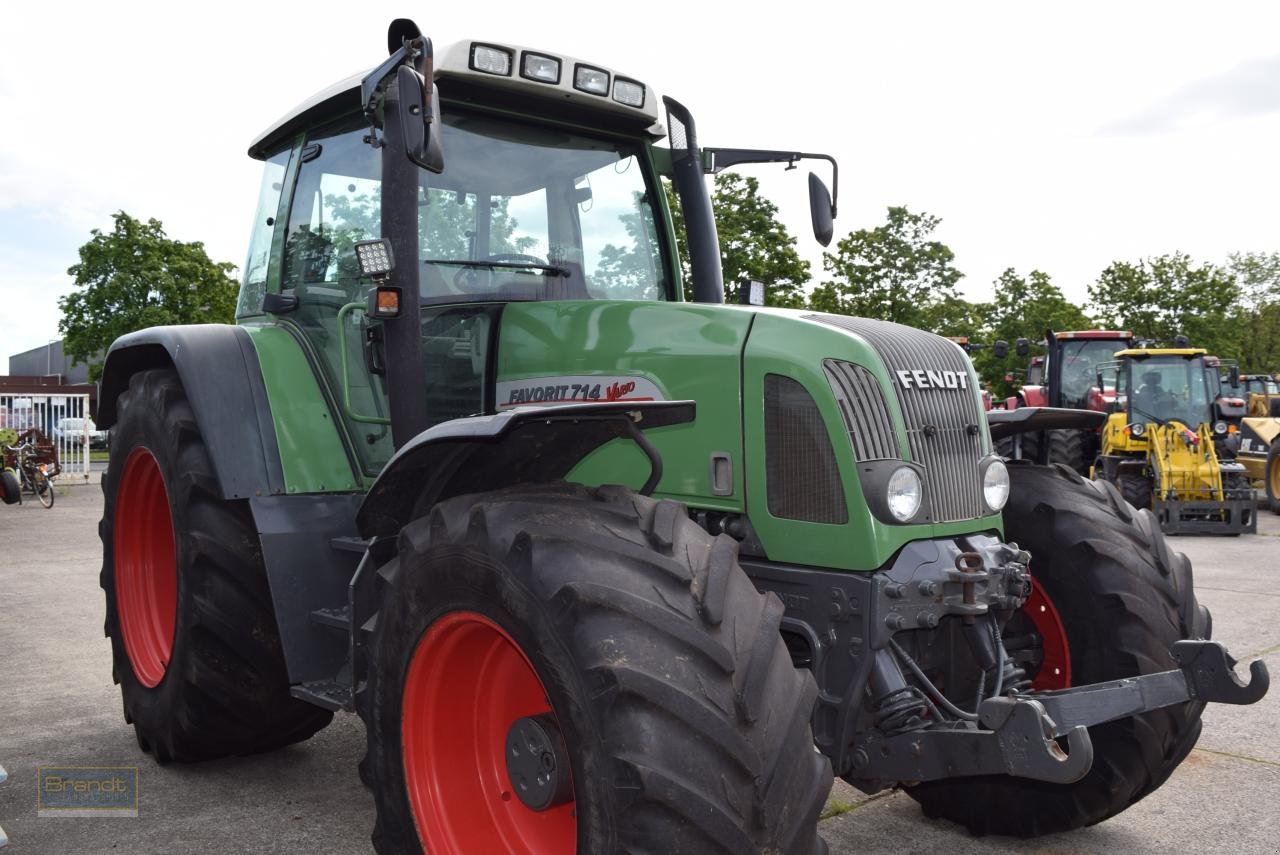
[(1158, 448)]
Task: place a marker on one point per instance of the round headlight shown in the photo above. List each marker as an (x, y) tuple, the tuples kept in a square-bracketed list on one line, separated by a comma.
[(1137, 429), (1219, 427), (904, 493), (995, 485)]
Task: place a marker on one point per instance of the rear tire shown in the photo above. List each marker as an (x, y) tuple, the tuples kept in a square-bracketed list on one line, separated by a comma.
[(193, 633), (1067, 447), (1123, 598), (685, 723)]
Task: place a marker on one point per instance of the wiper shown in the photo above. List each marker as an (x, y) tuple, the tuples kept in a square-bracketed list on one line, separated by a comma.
[(549, 269)]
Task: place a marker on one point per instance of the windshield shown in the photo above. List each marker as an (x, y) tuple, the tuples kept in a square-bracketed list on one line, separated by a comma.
[(1080, 361), (1168, 387), (521, 212)]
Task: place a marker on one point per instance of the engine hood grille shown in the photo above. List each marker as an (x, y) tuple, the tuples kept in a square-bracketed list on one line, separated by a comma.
[(936, 391)]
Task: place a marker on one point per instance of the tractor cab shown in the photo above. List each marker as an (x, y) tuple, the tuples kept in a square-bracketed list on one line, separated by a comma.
[(1158, 445)]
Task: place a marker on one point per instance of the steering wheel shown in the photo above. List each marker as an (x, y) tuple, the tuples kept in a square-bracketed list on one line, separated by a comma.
[(467, 278)]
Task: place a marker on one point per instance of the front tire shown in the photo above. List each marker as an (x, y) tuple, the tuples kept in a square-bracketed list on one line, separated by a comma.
[(194, 641), (1123, 598), (685, 725)]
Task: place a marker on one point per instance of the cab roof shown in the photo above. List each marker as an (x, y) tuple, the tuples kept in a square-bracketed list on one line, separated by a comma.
[(1104, 334), (1144, 352), (459, 80)]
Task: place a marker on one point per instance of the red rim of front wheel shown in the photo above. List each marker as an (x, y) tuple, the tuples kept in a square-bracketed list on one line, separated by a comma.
[(468, 681), (1055, 669), (146, 573)]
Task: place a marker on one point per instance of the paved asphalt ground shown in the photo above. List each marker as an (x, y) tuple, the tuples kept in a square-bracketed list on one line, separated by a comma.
[(59, 707)]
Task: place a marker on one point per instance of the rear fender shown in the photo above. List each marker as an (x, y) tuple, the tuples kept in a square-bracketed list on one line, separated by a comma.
[(219, 370)]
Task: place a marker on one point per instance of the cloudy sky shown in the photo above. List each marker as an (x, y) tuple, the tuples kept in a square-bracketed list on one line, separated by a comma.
[(1051, 136)]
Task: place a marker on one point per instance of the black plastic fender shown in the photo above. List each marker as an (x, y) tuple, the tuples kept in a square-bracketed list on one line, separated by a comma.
[(220, 374), (533, 444), (1005, 423)]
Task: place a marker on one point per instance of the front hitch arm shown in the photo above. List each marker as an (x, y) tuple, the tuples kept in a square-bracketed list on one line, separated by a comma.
[(1206, 674), (1019, 742), (1017, 735)]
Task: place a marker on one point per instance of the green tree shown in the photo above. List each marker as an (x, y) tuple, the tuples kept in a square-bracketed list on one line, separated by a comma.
[(1024, 307), (1255, 319), (1166, 296), (754, 244), (893, 272), (135, 277)]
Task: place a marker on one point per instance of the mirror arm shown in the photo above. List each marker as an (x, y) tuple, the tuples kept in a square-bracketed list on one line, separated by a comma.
[(719, 159)]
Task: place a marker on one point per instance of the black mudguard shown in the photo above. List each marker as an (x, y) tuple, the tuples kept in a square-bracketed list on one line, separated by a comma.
[(1004, 423), (527, 445), (219, 369)]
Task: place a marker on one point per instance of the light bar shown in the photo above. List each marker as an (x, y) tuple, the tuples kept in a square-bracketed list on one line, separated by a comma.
[(628, 92), (491, 60), (593, 81), (375, 258), (536, 66)]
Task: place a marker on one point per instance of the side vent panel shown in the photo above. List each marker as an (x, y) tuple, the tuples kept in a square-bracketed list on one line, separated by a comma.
[(801, 477)]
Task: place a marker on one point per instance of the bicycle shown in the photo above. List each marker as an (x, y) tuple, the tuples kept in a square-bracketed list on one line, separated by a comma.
[(32, 476)]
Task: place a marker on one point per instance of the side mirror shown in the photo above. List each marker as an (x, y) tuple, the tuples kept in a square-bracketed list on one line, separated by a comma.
[(1233, 376), (1101, 387), (751, 292), (1022, 347), (422, 135), (1000, 349), (820, 210)]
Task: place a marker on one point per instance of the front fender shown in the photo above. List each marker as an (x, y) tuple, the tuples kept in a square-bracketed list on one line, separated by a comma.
[(478, 454), (1005, 423)]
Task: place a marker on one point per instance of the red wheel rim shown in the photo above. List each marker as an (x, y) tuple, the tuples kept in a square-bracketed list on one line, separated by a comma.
[(467, 682), (146, 574), (1055, 670)]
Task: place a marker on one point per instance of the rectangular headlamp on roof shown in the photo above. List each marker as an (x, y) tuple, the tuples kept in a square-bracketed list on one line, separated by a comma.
[(594, 81), (491, 59), (628, 92), (536, 66)]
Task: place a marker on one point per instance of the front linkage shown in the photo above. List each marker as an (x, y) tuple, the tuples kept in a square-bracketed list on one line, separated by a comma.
[(912, 730)]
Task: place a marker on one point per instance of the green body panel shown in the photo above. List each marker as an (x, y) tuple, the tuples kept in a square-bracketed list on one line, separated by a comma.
[(311, 451), (783, 343), (689, 351), (694, 351)]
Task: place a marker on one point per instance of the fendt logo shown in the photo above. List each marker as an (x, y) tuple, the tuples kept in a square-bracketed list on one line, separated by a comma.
[(919, 379)]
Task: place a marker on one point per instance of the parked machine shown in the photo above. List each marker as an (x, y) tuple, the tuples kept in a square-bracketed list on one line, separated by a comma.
[(1158, 447), (597, 558), (1064, 376)]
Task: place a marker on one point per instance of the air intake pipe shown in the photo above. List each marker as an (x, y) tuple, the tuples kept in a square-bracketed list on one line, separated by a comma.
[(695, 204)]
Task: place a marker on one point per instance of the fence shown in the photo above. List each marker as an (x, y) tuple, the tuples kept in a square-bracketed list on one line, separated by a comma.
[(64, 419)]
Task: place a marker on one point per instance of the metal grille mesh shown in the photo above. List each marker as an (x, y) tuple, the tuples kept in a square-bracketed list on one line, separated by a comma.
[(676, 135), (861, 402), (801, 477), (943, 425)]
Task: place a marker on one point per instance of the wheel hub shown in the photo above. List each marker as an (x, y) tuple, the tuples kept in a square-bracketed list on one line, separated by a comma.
[(538, 764)]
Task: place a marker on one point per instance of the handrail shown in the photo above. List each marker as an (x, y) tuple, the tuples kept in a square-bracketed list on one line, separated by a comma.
[(346, 382)]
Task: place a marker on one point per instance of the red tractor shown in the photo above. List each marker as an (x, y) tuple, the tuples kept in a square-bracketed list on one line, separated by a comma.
[(1065, 376)]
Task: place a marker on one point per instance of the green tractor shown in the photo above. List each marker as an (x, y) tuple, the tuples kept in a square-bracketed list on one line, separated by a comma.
[(597, 558)]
